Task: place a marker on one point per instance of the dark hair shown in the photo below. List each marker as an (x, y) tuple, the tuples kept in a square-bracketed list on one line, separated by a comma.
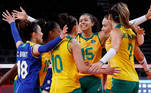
[(120, 14), (70, 22), (61, 19), (96, 26), (46, 27), (26, 28)]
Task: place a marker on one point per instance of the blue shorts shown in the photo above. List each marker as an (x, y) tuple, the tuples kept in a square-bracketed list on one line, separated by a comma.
[(47, 82)]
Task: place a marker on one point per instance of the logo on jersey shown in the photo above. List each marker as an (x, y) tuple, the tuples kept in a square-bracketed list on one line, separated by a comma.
[(93, 42)]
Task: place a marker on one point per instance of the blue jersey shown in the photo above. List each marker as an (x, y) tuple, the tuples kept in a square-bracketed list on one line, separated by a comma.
[(47, 82), (28, 70)]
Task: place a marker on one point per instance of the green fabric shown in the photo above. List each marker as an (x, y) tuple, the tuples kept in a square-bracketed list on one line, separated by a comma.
[(14, 86), (77, 91), (107, 91), (122, 86), (118, 26), (91, 84), (40, 90), (86, 38)]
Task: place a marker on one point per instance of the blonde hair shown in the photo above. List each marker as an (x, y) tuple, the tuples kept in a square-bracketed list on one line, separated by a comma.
[(120, 14)]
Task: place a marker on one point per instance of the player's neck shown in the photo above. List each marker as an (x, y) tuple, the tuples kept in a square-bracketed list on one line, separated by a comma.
[(72, 35), (33, 40), (87, 34)]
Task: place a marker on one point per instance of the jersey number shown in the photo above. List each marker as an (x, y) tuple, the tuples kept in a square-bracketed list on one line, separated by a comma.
[(130, 48), (22, 69), (87, 53), (46, 65), (57, 63)]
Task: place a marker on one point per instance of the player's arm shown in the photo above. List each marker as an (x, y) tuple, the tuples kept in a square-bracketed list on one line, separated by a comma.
[(38, 49), (141, 19), (9, 75), (140, 32), (142, 60), (116, 37), (103, 37), (22, 15), (75, 49), (11, 20)]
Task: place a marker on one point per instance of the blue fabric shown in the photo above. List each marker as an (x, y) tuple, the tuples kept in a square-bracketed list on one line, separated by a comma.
[(28, 70), (47, 82), (15, 32), (51, 44)]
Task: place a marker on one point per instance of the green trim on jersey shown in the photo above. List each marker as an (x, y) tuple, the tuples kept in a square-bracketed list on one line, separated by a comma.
[(70, 38), (86, 38), (98, 37), (118, 26)]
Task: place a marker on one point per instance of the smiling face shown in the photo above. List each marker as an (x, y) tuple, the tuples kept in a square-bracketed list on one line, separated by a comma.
[(85, 23)]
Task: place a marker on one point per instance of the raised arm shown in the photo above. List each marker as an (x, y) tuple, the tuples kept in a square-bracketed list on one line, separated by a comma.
[(11, 20), (140, 32), (38, 49), (22, 15), (141, 19)]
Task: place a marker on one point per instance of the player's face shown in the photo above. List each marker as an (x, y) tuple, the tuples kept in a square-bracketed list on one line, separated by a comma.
[(85, 23), (38, 35), (54, 33), (106, 26)]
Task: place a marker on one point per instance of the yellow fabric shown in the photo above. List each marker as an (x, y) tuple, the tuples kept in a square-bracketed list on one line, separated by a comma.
[(65, 77), (15, 78), (124, 58), (91, 50), (45, 62)]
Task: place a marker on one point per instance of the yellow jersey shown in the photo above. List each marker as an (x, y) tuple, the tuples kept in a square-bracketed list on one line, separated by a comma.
[(45, 62), (91, 50), (65, 77), (124, 57)]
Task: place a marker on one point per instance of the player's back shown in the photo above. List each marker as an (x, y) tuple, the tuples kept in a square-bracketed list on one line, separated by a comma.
[(65, 74), (28, 69), (124, 57)]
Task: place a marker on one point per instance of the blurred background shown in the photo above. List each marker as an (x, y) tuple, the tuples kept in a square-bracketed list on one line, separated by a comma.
[(51, 8)]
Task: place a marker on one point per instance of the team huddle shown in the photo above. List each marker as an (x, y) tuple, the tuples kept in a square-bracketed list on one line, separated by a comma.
[(55, 59)]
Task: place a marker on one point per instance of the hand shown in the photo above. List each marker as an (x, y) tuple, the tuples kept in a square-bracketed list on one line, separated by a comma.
[(8, 17), (148, 15), (138, 30), (95, 67), (148, 73), (111, 70), (64, 31), (20, 15)]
